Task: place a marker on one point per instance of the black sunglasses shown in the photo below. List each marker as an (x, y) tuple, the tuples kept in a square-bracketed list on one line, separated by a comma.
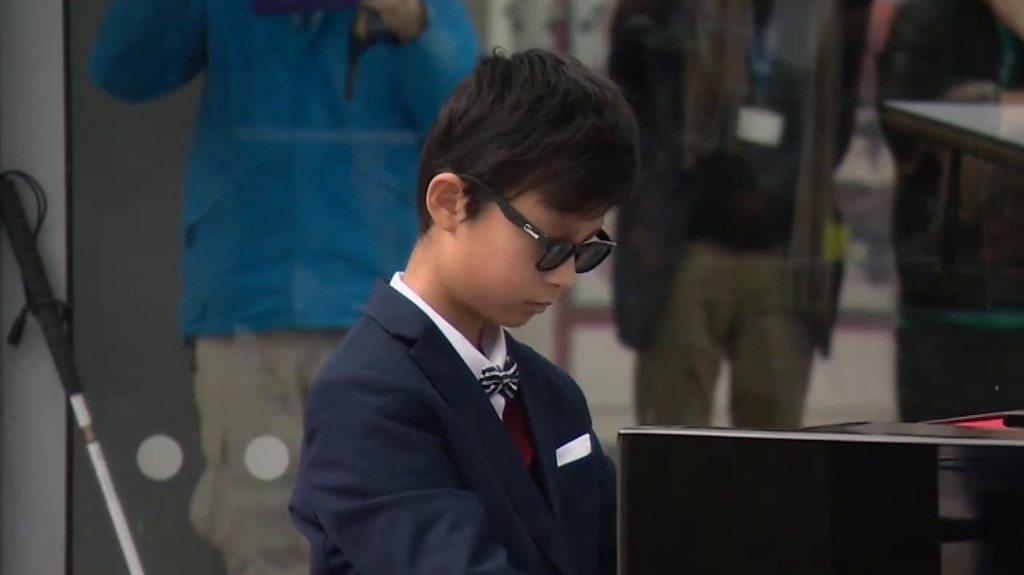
[(555, 252)]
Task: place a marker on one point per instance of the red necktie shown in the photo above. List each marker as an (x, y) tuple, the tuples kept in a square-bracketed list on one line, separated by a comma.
[(515, 423)]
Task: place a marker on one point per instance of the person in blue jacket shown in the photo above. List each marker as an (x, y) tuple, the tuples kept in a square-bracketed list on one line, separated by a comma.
[(300, 186)]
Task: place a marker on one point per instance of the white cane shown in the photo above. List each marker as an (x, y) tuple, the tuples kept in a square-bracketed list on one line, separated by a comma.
[(51, 314)]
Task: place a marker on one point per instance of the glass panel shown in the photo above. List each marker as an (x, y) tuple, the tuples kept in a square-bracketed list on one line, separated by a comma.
[(825, 230), (220, 248)]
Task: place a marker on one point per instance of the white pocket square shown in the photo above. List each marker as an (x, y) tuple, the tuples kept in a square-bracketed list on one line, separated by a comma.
[(576, 449)]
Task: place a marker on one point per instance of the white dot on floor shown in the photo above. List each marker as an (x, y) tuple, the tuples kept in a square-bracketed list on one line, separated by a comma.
[(159, 457), (266, 457)]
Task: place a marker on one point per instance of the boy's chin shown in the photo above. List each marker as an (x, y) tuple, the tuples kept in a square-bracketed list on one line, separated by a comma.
[(519, 319)]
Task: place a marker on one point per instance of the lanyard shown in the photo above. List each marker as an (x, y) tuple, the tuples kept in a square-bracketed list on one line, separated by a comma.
[(760, 59), (1010, 54), (308, 21)]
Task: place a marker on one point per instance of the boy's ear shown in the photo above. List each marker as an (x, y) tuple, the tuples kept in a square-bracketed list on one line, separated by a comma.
[(446, 200)]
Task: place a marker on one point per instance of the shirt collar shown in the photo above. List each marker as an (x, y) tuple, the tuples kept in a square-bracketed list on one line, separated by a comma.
[(492, 341)]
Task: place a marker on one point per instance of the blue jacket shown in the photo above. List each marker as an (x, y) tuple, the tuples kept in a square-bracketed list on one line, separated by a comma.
[(302, 176), (406, 469)]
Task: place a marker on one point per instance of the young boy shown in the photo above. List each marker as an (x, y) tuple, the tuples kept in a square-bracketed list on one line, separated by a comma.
[(434, 442)]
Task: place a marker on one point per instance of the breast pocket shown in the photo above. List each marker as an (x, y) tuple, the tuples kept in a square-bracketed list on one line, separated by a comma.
[(578, 485)]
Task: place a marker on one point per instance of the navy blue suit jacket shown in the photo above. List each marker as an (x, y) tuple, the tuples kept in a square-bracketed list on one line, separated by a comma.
[(407, 470)]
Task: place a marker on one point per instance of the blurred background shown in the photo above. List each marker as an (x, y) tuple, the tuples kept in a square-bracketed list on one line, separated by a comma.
[(825, 230)]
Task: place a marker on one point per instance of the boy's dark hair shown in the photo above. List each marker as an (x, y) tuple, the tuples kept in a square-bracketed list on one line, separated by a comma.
[(535, 121)]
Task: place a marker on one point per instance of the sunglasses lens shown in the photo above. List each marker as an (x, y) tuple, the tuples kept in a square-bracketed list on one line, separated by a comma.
[(589, 256), (555, 255)]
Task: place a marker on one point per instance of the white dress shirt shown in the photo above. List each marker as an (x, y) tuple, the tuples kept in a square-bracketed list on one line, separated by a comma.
[(492, 340)]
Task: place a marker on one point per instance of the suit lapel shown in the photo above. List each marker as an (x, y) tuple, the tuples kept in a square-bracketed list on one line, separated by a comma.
[(540, 429), (449, 374), (544, 450)]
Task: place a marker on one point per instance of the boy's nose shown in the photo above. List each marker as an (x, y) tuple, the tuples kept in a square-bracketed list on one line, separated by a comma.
[(564, 276)]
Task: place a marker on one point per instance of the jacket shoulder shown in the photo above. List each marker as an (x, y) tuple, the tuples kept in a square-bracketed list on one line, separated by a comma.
[(369, 364)]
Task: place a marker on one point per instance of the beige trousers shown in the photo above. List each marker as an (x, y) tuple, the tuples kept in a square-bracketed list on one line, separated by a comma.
[(727, 306), (251, 392)]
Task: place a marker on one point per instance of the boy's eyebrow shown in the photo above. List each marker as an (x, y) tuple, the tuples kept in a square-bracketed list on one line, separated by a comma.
[(591, 235), (571, 237)]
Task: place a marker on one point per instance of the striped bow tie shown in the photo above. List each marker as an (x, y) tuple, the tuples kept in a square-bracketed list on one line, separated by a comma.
[(503, 380)]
